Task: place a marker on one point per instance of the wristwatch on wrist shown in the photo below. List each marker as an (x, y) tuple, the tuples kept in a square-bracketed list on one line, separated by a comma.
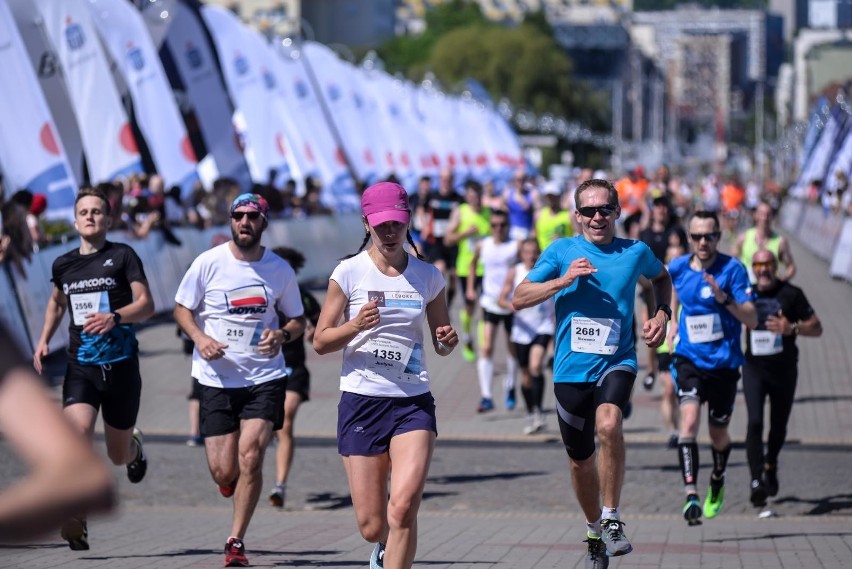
[(795, 327), (116, 317), (287, 335), (728, 300), (667, 310)]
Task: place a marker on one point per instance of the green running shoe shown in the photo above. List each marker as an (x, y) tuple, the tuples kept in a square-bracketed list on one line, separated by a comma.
[(715, 498)]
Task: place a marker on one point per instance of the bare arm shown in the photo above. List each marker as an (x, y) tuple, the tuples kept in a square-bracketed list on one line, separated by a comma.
[(504, 300), (209, 348), (139, 310), (56, 307), (530, 294), (330, 335), (452, 236), (786, 257), (444, 337), (654, 329), (65, 476)]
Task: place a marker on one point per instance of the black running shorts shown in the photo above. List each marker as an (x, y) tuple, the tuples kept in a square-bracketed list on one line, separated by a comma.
[(114, 388), (223, 409), (576, 404)]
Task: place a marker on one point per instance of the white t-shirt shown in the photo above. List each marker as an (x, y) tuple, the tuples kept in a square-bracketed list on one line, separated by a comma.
[(535, 320), (388, 360), (233, 302), (497, 259)]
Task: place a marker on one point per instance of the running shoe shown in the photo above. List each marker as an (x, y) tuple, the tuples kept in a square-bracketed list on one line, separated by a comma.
[(596, 557), (137, 468), (235, 553), (485, 405), (468, 353), (673, 440), (692, 510), (612, 534), (278, 496), (76, 533), (195, 441), (228, 490), (648, 382), (715, 498), (770, 479), (510, 399), (758, 493), (377, 558)]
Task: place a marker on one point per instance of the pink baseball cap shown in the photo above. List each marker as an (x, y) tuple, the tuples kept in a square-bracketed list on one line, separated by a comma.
[(383, 202)]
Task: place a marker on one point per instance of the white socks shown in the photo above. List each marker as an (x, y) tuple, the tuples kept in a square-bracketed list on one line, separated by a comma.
[(485, 369)]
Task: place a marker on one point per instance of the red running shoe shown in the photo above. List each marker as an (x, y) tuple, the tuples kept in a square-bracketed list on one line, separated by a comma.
[(228, 491), (235, 553)]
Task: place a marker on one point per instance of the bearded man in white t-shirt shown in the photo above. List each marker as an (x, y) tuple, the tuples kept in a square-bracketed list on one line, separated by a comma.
[(227, 305)]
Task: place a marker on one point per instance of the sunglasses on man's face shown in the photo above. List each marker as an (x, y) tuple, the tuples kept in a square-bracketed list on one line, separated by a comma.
[(499, 224), (605, 210), (709, 237), (760, 265), (238, 215)]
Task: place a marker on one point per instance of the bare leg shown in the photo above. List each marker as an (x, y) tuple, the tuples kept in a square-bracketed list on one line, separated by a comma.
[(284, 452), (611, 453)]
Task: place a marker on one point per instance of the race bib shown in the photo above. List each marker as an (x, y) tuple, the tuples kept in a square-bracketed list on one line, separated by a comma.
[(242, 336), (387, 359), (704, 328), (595, 335), (396, 299), (766, 343), (439, 227), (85, 303)]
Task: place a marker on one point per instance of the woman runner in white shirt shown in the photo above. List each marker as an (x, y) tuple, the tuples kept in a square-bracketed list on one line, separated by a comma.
[(377, 303)]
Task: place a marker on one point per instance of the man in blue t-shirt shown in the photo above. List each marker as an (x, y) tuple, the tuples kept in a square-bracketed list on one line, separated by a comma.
[(592, 278), (715, 298)]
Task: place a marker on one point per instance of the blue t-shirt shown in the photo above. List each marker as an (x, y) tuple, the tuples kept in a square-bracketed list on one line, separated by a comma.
[(709, 334), (595, 314)]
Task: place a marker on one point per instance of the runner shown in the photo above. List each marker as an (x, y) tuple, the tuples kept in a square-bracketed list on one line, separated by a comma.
[(227, 304), (498, 254), (764, 236), (439, 208), (298, 381), (104, 286), (521, 200), (552, 221), (592, 278), (713, 291), (771, 369), (532, 331), (377, 303), (468, 225)]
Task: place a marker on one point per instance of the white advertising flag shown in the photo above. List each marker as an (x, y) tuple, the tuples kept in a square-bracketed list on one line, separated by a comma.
[(125, 36), (307, 115), (31, 154), (44, 60), (193, 58), (263, 135), (108, 140), (346, 107)]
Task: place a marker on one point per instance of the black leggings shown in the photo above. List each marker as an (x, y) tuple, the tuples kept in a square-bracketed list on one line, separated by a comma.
[(779, 384)]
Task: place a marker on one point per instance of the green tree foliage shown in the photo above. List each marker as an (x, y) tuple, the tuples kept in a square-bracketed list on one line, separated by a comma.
[(523, 64), (410, 54)]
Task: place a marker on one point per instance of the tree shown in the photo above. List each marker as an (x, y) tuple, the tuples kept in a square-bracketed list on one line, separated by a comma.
[(522, 64)]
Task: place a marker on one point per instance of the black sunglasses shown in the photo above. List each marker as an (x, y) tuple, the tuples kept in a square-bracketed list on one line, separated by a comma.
[(238, 215), (605, 210), (500, 224), (710, 237)]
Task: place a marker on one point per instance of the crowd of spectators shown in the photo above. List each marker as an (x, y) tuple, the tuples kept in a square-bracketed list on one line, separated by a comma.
[(143, 203)]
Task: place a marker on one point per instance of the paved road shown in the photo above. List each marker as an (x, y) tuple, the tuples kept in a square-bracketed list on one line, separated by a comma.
[(495, 498)]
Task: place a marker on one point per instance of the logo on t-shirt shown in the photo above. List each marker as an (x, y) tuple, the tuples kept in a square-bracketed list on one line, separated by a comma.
[(250, 299)]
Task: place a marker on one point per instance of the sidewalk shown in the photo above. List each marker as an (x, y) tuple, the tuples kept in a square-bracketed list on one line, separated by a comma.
[(528, 519)]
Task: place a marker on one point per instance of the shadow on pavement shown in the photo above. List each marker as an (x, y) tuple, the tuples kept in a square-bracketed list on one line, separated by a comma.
[(462, 479), (822, 506)]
